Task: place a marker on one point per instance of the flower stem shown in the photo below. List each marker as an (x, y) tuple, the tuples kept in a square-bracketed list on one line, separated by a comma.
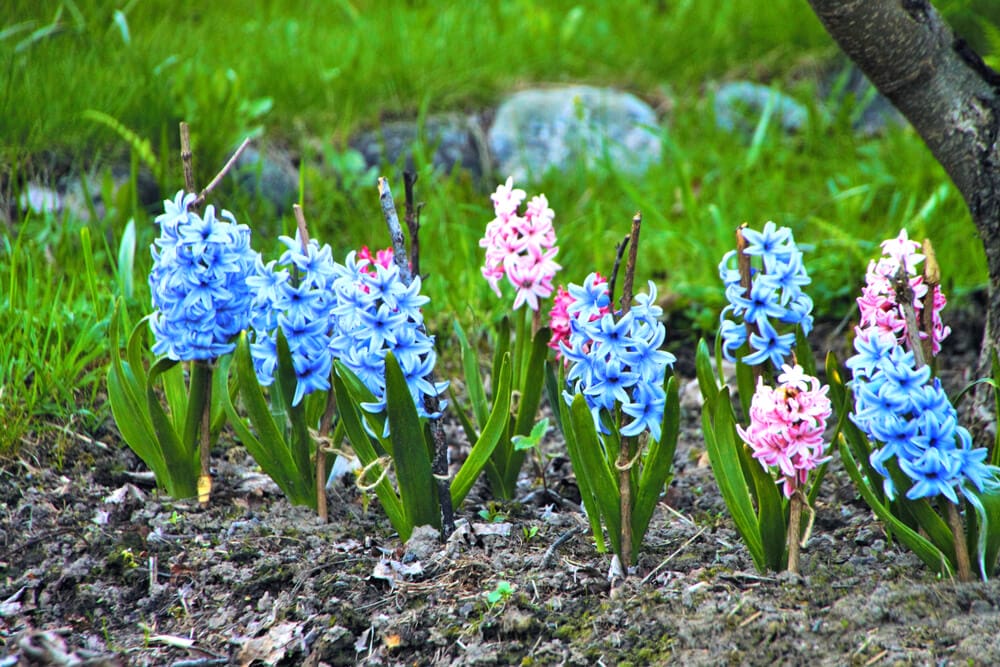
[(794, 530), (961, 551), (321, 444), (202, 373)]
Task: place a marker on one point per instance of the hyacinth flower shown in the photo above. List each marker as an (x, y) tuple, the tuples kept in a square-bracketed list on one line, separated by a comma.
[(913, 462), (287, 348), (201, 302), (785, 410), (386, 396), (619, 411), (520, 249), (785, 433)]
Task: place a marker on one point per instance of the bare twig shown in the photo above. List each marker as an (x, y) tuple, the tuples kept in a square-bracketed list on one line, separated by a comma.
[(218, 177), (412, 217), (932, 279), (548, 560), (187, 159), (440, 464), (613, 278), (633, 254), (663, 563), (904, 297)]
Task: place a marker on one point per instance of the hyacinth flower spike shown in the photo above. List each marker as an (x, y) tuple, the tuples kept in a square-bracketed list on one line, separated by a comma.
[(905, 448), (763, 331), (617, 397)]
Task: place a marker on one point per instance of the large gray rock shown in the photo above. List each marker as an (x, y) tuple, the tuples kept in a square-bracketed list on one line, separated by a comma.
[(537, 130), (451, 140), (740, 104)]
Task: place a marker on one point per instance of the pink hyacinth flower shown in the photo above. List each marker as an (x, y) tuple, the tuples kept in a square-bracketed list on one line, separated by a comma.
[(787, 424), (521, 249)]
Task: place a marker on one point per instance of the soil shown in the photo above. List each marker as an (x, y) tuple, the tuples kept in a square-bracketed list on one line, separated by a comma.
[(97, 568)]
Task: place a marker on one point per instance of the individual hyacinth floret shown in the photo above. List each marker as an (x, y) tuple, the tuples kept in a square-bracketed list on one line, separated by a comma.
[(879, 303), (617, 360), (766, 314), (905, 410), (520, 248), (786, 426), (294, 295), (377, 313), (198, 281)]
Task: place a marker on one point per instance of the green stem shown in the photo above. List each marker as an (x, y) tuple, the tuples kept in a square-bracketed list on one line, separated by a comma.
[(962, 562)]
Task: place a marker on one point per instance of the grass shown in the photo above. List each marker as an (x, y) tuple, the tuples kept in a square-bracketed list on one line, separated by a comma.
[(87, 83)]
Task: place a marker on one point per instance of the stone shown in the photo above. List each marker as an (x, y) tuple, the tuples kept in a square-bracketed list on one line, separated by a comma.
[(871, 112), (40, 200), (269, 174), (537, 130), (740, 104), (451, 141)]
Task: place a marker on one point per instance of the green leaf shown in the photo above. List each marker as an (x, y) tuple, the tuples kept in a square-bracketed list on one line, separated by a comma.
[(933, 557), (501, 347), (746, 384), (473, 379), (985, 531), (803, 352), (269, 448), (126, 260), (587, 494), (532, 440), (479, 454), (348, 410), (417, 487), (720, 442), (707, 383), (129, 410), (656, 469), (181, 457), (771, 510), (592, 469)]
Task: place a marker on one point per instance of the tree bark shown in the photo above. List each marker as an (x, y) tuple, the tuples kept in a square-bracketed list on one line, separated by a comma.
[(950, 97)]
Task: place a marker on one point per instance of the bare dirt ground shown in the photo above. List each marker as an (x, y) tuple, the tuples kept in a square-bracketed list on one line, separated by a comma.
[(96, 568)]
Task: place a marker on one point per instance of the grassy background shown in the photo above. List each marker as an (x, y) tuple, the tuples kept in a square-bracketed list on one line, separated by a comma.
[(306, 75)]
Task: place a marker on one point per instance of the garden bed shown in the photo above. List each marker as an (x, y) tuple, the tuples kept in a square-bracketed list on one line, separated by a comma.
[(99, 569)]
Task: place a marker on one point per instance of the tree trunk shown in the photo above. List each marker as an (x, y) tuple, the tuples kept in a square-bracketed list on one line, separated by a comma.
[(949, 95)]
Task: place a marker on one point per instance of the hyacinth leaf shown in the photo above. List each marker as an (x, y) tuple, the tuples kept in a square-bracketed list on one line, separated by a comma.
[(479, 454), (471, 433), (658, 466), (995, 372), (592, 469), (501, 347), (126, 392), (268, 447), (417, 488), (803, 352), (361, 394), (199, 386), (552, 393), (925, 550), (707, 383), (771, 511), (923, 512), (176, 395), (984, 533), (746, 383), (473, 379), (590, 504), (361, 442), (723, 454), (181, 456), (285, 382), (532, 383)]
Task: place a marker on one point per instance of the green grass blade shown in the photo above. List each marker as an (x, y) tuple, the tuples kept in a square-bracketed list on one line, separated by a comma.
[(417, 487), (481, 451)]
